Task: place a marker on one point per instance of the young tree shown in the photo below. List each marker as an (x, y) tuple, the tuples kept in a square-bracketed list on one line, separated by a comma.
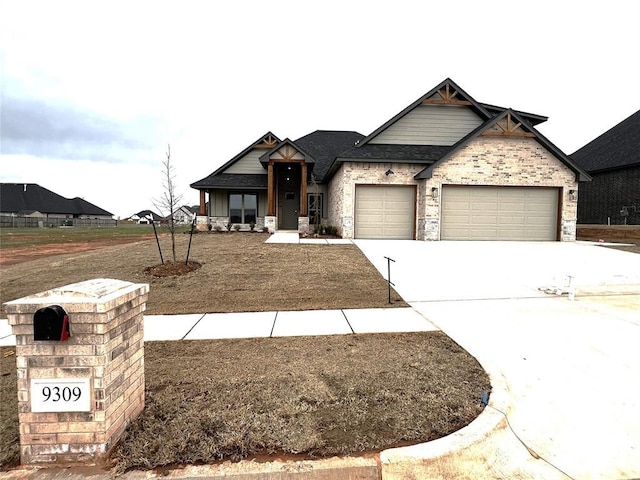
[(169, 199)]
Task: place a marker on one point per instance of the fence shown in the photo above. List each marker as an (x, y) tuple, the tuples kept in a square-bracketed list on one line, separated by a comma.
[(9, 221)]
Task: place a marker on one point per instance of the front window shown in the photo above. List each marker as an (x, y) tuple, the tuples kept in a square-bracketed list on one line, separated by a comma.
[(314, 202), (243, 207)]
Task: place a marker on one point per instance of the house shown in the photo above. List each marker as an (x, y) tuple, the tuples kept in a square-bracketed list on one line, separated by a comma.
[(184, 214), (447, 167), (30, 200), (143, 217), (613, 161)]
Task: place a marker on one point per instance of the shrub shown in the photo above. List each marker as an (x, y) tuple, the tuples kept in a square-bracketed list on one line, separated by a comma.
[(229, 225), (331, 230), (209, 226), (252, 226)]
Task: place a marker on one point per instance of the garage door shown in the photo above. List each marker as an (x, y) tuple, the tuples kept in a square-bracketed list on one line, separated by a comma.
[(384, 212), (499, 213)]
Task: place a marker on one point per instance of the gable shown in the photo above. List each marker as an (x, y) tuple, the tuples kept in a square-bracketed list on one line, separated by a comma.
[(430, 124), (249, 163)]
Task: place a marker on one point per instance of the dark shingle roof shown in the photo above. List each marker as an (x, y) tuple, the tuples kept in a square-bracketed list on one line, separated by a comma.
[(233, 180), (409, 153), (325, 146), (616, 148), (146, 214), (16, 197)]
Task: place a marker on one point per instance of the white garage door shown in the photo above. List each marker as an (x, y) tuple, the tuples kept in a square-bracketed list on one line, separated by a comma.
[(499, 213), (384, 212)]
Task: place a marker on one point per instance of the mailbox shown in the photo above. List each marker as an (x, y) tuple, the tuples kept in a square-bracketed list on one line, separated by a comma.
[(51, 323)]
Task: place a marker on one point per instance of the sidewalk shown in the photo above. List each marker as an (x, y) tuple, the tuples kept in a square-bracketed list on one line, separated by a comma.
[(207, 326)]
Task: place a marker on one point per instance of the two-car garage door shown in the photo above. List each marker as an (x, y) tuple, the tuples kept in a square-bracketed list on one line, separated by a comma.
[(499, 213)]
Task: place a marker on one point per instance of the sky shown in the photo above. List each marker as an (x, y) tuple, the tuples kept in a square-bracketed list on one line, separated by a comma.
[(93, 92)]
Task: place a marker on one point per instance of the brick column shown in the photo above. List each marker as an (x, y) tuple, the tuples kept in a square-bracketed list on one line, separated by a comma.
[(105, 353)]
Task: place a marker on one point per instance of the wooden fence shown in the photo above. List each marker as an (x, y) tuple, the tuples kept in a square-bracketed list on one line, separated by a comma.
[(9, 221)]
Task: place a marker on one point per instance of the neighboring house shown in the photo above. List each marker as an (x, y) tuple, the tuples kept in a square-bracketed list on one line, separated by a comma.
[(445, 168), (144, 216), (613, 161), (184, 214), (32, 200)]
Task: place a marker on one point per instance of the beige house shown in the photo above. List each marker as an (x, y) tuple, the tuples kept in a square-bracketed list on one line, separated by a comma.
[(445, 168)]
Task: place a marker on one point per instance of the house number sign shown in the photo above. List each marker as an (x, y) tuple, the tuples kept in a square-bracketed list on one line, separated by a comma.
[(60, 395)]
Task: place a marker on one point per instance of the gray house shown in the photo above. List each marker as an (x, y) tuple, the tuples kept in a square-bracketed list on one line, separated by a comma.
[(446, 167)]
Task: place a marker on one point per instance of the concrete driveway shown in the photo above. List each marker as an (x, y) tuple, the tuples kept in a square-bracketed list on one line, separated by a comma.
[(571, 368)]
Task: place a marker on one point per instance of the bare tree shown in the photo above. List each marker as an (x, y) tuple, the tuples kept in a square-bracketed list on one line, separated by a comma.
[(169, 199)]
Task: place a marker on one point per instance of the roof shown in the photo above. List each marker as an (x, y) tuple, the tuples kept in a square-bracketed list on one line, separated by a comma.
[(16, 197), (532, 118), (268, 139), (146, 214), (233, 180), (618, 147), (581, 175), (325, 145)]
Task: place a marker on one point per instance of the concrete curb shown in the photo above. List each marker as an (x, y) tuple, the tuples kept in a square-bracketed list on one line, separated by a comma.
[(398, 463)]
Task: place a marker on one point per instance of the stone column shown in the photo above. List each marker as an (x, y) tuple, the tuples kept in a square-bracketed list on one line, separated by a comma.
[(76, 397)]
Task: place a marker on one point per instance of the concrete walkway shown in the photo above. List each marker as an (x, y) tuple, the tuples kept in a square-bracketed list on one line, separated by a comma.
[(271, 324)]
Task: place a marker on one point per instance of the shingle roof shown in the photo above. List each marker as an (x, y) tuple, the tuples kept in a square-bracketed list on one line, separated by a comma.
[(146, 214), (16, 197), (233, 180), (616, 148), (325, 145)]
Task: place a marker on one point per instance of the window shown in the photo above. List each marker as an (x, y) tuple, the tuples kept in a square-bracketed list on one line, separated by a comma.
[(314, 202), (243, 207)]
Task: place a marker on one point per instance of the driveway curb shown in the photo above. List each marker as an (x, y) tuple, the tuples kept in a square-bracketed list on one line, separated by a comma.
[(416, 461)]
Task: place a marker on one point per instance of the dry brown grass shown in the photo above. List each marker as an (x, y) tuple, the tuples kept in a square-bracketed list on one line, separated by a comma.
[(319, 396), (239, 273)]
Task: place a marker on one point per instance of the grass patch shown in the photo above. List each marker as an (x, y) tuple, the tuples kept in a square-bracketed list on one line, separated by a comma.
[(208, 401)]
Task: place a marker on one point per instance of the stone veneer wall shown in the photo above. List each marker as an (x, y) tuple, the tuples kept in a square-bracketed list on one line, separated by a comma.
[(492, 161), (106, 346)]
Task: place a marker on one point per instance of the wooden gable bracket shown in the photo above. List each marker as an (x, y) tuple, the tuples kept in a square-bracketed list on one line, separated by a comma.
[(289, 153), (506, 128), (267, 142), (448, 97)]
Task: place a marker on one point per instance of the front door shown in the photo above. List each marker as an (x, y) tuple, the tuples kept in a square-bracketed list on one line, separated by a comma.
[(288, 196)]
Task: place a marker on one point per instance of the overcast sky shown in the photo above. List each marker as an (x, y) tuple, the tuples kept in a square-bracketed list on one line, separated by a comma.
[(92, 92)]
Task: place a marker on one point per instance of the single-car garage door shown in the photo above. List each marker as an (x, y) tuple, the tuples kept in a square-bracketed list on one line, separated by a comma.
[(384, 212), (499, 213)]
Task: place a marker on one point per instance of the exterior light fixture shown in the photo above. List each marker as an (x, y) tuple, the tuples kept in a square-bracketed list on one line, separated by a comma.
[(388, 172), (434, 193), (572, 194)]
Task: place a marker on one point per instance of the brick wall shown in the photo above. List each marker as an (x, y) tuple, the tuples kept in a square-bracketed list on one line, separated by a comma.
[(106, 346), (602, 199), (485, 161), (494, 161)]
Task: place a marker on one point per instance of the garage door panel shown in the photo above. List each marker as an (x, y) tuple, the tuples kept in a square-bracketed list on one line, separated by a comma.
[(384, 212), (499, 213)]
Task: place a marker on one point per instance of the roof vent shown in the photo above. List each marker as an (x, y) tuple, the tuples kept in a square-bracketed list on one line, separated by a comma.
[(25, 187), (357, 142)]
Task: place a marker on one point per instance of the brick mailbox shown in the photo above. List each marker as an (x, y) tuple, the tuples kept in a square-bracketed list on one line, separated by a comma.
[(80, 368)]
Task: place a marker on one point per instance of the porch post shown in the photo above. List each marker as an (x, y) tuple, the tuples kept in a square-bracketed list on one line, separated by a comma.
[(271, 211), (303, 190), (203, 204)]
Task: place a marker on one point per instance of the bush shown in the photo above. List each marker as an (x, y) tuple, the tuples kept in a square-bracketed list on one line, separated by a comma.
[(229, 226), (331, 230), (252, 226)]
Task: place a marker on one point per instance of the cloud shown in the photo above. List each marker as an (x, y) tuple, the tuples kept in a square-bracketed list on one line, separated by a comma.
[(50, 129)]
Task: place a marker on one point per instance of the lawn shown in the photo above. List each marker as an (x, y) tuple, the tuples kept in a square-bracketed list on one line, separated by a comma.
[(240, 273), (232, 399)]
